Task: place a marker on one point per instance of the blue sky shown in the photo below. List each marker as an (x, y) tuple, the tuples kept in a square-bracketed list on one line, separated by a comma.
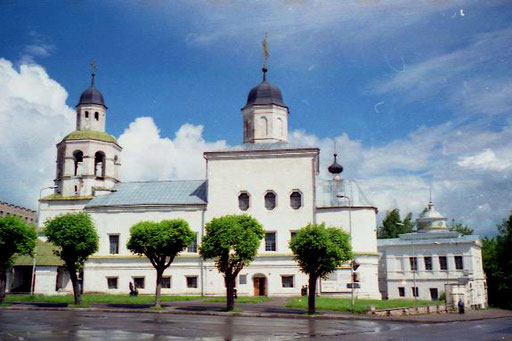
[(416, 94)]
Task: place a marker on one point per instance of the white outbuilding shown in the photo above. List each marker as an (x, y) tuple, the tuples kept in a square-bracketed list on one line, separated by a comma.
[(431, 262)]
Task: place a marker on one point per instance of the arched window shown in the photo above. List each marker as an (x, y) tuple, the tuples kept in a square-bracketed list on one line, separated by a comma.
[(280, 126), (270, 200), (264, 125), (78, 157), (243, 201), (86, 114), (99, 164), (96, 116), (296, 200)]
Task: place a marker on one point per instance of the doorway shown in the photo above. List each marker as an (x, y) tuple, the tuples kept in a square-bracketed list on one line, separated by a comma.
[(260, 285)]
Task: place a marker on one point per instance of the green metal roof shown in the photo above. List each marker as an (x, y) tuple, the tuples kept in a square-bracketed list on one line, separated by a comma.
[(44, 256), (90, 135)]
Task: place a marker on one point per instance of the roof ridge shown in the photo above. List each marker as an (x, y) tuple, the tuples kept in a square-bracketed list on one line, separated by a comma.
[(149, 181)]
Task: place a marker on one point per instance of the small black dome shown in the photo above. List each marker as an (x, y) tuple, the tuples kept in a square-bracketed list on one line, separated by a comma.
[(92, 96), (265, 93), (335, 168)]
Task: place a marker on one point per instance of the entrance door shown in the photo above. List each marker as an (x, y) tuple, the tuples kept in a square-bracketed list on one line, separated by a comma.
[(260, 286)]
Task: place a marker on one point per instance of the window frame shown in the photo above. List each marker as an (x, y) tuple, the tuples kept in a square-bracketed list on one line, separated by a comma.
[(283, 277), (190, 277), (265, 199), (248, 200), (445, 258), (415, 291), (428, 266), (193, 247), (461, 258), (240, 279), (401, 291), (413, 263), (135, 278), (275, 241), (110, 243), (301, 199), (109, 278), (170, 282)]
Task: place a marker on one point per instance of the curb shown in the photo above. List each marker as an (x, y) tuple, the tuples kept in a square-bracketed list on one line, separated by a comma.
[(174, 311)]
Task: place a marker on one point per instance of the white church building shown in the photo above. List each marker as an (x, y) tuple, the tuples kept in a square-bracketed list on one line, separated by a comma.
[(266, 177)]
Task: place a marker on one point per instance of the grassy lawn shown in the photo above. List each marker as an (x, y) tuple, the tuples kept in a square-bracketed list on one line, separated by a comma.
[(97, 298), (361, 306), (240, 299)]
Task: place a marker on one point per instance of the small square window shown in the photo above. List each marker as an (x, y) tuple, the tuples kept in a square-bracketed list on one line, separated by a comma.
[(138, 282), (166, 282), (401, 291), (242, 279), (287, 281), (270, 241), (112, 282), (191, 281)]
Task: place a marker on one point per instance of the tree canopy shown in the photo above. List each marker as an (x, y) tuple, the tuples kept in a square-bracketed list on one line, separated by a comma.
[(76, 239), (462, 229), (392, 225), (16, 238), (233, 242), (497, 263), (319, 250), (160, 242)]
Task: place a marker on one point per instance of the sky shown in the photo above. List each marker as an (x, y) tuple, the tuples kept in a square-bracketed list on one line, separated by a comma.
[(414, 94)]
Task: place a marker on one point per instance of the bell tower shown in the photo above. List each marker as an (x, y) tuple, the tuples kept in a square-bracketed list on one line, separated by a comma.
[(88, 159)]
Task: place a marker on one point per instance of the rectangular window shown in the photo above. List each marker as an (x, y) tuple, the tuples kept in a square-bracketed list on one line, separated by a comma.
[(434, 295), (242, 279), (293, 234), (138, 282), (287, 281), (114, 244), (443, 264), (401, 291), (112, 282), (415, 292), (191, 281), (459, 264), (166, 282), (270, 241), (193, 247), (428, 263), (413, 261)]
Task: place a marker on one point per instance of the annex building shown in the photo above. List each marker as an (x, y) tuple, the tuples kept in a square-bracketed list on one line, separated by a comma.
[(265, 176)]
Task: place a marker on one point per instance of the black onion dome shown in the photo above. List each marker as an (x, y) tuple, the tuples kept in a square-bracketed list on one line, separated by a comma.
[(335, 168), (265, 93), (92, 96)]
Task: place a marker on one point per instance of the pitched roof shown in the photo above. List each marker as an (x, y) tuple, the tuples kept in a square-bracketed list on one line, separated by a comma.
[(44, 255), (262, 146), (182, 192)]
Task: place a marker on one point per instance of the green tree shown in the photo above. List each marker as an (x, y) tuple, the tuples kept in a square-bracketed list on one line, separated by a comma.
[(160, 242), (76, 239), (319, 250), (233, 241), (392, 225), (462, 229), (497, 263), (16, 238)]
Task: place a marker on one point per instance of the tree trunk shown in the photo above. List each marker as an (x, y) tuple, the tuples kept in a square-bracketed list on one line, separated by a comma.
[(159, 274), (74, 281), (230, 292), (312, 292), (3, 283)]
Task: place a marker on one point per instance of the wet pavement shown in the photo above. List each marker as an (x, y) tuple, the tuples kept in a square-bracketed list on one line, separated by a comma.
[(94, 325)]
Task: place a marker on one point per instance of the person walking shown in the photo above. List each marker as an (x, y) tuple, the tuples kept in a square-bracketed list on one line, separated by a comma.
[(461, 306)]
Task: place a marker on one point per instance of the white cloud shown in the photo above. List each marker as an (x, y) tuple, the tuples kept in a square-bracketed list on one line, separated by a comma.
[(149, 156), (485, 160), (33, 117)]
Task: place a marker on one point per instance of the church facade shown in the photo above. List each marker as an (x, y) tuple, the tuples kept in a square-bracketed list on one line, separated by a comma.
[(266, 177)]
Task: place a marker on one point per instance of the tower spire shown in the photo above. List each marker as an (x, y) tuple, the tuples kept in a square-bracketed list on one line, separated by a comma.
[(265, 56), (94, 67)]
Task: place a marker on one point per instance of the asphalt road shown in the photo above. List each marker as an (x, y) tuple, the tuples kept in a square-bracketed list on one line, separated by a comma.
[(79, 325)]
